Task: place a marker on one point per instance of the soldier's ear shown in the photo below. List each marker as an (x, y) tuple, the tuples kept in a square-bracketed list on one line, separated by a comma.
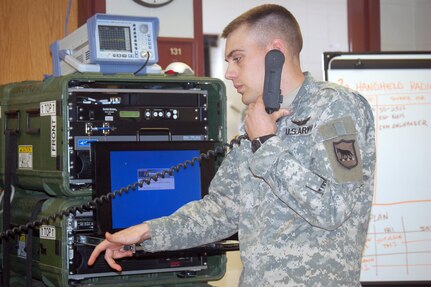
[(277, 44)]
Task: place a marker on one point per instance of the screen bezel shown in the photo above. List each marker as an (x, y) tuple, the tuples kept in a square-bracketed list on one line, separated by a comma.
[(100, 154)]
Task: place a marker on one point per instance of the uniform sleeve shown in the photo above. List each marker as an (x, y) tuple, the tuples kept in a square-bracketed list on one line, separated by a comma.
[(324, 190), (210, 219)]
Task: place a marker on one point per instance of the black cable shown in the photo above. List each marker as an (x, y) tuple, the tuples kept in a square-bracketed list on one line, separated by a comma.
[(29, 246), (66, 22), (10, 179), (11, 233), (143, 66)]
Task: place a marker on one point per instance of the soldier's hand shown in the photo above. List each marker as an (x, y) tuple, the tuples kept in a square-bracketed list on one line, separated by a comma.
[(258, 122), (113, 245)]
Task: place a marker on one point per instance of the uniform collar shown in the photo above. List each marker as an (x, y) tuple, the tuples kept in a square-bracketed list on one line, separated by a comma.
[(288, 99)]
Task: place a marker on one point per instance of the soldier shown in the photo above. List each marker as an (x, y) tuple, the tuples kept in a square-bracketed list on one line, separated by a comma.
[(299, 193)]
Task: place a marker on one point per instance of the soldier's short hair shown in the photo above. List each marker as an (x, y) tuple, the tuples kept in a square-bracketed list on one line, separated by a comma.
[(270, 21)]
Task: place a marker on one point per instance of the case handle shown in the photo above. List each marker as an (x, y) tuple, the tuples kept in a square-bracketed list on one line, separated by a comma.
[(167, 131), (12, 114), (31, 113)]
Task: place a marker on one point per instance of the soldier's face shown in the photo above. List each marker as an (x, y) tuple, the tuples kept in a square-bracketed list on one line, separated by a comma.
[(246, 63)]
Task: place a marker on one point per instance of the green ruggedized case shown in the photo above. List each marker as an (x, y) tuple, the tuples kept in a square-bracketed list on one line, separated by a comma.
[(58, 252), (56, 120), (53, 123)]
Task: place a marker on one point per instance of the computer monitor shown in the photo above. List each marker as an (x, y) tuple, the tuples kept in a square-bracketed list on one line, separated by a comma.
[(119, 164)]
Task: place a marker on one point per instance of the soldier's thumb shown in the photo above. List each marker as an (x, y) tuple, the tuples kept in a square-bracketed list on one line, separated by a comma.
[(280, 113)]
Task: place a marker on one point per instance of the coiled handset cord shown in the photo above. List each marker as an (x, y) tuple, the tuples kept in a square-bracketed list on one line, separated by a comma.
[(11, 233)]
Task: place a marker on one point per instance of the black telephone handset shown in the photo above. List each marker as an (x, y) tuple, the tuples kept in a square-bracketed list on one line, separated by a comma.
[(272, 98)]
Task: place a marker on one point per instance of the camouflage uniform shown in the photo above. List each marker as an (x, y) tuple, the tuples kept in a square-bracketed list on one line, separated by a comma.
[(301, 203)]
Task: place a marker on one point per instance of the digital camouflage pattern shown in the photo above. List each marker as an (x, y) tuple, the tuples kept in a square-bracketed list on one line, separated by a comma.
[(301, 203)]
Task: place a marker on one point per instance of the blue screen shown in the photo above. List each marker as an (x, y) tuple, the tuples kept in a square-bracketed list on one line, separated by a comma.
[(158, 198)]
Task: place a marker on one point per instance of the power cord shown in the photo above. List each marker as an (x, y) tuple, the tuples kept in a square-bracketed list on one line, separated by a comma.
[(11, 233), (144, 65), (66, 22)]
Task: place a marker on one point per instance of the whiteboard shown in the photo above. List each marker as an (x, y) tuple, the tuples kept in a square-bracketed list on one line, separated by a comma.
[(398, 88)]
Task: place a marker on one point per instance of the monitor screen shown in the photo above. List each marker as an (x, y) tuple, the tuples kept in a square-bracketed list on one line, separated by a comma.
[(119, 164), (114, 38)]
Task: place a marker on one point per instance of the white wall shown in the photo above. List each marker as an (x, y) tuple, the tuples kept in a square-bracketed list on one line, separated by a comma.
[(423, 25), (176, 18), (324, 28), (405, 25)]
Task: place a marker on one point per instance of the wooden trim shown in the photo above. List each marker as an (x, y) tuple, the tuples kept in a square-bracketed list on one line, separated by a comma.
[(181, 40), (188, 55), (374, 20), (363, 18), (198, 49), (87, 8), (209, 42)]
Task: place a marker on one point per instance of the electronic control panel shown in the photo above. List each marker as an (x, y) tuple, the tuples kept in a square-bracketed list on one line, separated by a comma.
[(108, 44), (130, 114)]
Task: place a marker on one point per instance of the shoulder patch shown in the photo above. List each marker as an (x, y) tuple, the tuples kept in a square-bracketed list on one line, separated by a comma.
[(340, 142), (345, 153)]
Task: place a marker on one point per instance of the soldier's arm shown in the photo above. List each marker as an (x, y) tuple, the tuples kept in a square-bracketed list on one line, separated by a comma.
[(325, 191), (204, 221)]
